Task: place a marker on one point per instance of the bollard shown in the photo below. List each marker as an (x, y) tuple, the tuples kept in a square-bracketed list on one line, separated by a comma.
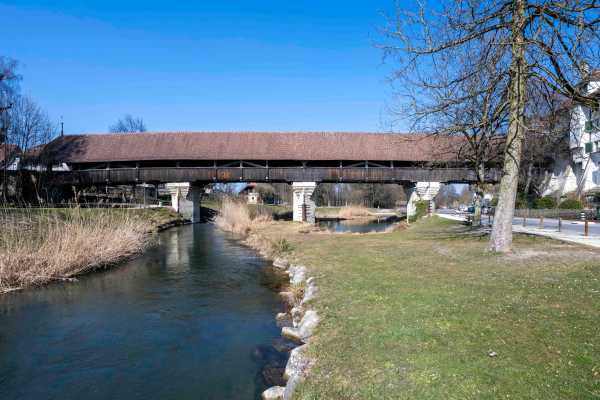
[(586, 229), (542, 222), (559, 224)]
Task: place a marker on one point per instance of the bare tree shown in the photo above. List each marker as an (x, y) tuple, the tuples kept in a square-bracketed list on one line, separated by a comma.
[(548, 118), (496, 48), (30, 126), (368, 194), (9, 80), (447, 196), (128, 124)]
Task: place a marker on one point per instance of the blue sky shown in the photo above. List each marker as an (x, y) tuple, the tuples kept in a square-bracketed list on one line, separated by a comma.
[(203, 65)]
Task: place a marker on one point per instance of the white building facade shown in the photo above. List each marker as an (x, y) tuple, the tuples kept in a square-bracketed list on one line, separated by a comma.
[(580, 174)]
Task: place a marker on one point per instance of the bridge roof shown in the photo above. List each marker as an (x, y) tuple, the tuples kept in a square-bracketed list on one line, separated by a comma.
[(307, 146)]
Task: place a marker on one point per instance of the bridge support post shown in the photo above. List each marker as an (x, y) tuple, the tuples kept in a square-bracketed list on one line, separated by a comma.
[(421, 191), (303, 206), (186, 199), (195, 197)]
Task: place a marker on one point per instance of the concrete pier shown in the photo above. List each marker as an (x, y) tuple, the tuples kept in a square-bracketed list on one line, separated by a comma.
[(421, 191), (186, 199), (303, 205)]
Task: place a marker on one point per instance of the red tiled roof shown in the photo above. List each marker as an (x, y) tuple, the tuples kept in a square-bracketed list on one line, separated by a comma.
[(251, 146)]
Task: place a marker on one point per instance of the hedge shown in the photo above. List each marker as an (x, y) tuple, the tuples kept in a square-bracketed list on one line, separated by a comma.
[(570, 204), (544, 203)]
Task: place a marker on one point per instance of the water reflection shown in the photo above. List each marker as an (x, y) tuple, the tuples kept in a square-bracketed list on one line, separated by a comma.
[(358, 225), (182, 321)]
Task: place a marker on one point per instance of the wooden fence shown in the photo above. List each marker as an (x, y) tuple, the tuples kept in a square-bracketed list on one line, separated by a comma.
[(555, 213)]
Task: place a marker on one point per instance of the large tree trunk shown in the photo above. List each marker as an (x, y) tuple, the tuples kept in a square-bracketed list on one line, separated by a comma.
[(501, 237)]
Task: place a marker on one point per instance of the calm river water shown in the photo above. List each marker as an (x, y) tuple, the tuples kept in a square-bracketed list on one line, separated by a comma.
[(358, 225), (193, 318)]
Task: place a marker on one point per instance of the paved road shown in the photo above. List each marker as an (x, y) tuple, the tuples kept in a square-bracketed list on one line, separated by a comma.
[(571, 228), (567, 227)]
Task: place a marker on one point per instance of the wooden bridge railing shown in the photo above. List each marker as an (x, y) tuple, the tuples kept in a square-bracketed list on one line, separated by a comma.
[(285, 174)]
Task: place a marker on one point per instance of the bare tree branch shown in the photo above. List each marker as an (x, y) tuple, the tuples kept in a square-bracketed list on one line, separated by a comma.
[(128, 124)]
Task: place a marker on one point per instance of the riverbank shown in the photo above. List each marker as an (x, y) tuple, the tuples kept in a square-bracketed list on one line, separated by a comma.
[(427, 313), (298, 320), (38, 246)]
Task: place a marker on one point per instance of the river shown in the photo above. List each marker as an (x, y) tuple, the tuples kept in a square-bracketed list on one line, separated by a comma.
[(358, 225), (191, 318)]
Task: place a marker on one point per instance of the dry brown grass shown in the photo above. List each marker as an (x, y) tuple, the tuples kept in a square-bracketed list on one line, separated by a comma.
[(235, 217), (37, 247), (297, 292), (354, 211)]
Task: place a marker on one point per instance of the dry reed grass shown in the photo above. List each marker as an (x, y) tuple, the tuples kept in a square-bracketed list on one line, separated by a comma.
[(297, 293), (39, 246), (354, 211), (236, 217)]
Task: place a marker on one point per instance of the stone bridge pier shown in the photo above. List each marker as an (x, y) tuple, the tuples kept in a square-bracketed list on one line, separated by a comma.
[(421, 191), (303, 206), (186, 199)]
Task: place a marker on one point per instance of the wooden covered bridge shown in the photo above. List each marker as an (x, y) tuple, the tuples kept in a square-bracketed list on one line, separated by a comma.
[(187, 161)]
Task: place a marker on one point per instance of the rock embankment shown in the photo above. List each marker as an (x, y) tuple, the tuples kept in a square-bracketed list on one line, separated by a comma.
[(299, 324)]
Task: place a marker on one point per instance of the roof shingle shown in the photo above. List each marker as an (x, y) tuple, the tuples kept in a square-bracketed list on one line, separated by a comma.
[(251, 146)]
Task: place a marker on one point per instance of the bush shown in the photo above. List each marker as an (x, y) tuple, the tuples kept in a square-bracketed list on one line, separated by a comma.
[(571, 204), (281, 246), (544, 203), (421, 208), (235, 217)]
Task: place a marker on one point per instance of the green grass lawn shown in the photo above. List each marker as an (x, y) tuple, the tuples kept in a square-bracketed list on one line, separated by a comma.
[(157, 216), (415, 314)]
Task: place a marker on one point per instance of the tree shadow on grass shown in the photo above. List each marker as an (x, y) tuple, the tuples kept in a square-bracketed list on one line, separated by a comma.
[(442, 230)]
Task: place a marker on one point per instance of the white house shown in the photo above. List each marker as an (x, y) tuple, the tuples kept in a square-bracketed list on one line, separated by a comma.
[(581, 173)]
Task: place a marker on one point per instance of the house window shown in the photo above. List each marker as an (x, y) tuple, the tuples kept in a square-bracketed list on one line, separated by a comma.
[(596, 177), (588, 126)]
